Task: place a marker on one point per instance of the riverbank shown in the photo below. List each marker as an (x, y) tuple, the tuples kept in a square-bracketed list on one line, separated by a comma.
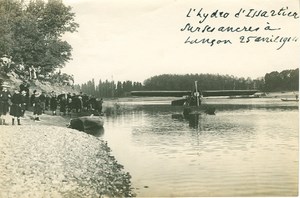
[(41, 160)]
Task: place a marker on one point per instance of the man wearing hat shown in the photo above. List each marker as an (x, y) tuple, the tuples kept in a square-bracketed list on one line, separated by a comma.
[(5, 96)]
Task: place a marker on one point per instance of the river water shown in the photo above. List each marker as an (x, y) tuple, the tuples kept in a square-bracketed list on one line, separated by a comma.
[(249, 148)]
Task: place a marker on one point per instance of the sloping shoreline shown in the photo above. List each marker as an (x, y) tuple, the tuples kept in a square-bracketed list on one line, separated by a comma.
[(46, 86), (51, 161)]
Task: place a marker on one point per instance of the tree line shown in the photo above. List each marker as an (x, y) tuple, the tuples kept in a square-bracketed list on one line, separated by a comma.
[(287, 80), (282, 81), (108, 89), (31, 36)]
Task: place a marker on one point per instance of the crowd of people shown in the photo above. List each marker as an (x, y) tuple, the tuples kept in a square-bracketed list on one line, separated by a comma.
[(64, 103)]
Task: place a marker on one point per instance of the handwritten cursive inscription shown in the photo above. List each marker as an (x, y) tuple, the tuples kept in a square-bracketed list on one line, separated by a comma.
[(241, 33)]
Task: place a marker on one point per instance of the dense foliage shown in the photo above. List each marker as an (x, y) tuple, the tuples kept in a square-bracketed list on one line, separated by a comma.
[(287, 80), (205, 82), (31, 35), (110, 88)]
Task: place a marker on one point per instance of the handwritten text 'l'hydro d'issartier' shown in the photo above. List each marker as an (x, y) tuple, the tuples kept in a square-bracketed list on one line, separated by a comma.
[(241, 13), (249, 13)]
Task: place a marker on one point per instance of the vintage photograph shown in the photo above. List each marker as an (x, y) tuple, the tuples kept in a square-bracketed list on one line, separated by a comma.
[(140, 98)]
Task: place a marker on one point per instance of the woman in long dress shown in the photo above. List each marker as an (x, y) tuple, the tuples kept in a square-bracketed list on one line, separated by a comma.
[(5, 97), (37, 106), (15, 109)]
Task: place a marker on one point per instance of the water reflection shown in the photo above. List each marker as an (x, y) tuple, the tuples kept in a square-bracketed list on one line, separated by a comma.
[(244, 150), (95, 131), (192, 119)]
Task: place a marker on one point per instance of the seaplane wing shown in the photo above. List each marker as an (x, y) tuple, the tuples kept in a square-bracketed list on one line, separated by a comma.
[(228, 93), (161, 93), (207, 93)]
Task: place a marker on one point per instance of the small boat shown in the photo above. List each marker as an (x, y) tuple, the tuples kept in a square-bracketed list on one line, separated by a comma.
[(289, 100)]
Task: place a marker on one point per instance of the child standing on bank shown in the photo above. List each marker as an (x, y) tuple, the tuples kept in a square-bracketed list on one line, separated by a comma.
[(37, 106), (24, 102)]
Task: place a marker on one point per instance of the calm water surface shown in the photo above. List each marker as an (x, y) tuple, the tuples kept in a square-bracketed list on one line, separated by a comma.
[(249, 148)]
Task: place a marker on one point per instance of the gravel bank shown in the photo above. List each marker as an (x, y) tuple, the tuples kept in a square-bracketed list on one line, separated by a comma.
[(51, 161)]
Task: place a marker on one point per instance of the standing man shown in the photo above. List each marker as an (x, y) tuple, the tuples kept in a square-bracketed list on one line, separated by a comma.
[(43, 101), (53, 103), (63, 101), (5, 96), (98, 106)]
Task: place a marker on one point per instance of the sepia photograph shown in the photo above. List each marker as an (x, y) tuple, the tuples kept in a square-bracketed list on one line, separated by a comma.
[(149, 98)]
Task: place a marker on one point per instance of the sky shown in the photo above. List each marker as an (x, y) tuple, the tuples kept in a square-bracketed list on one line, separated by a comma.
[(137, 39)]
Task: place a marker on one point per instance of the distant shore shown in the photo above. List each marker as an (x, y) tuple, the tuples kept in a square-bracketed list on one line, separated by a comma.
[(40, 160), (282, 94), (110, 101)]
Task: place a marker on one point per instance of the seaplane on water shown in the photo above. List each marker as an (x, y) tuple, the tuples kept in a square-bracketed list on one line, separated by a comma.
[(192, 99)]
